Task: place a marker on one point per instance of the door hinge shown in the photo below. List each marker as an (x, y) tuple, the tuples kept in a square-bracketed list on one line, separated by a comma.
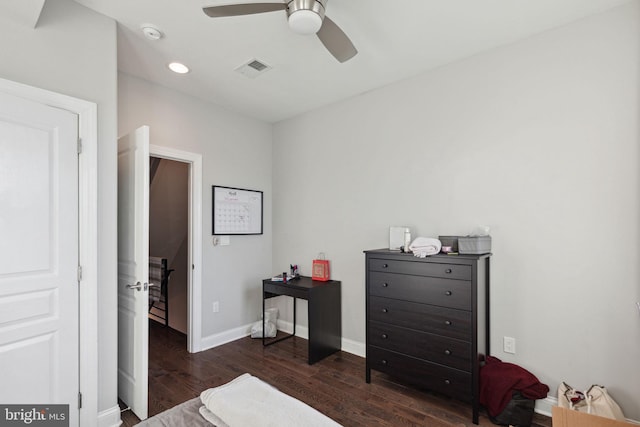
[(79, 400), (79, 145), (79, 273)]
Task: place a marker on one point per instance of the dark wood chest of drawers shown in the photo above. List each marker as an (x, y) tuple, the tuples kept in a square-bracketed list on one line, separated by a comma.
[(428, 320)]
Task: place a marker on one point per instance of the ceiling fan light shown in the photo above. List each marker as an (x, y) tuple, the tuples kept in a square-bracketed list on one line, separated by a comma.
[(305, 22)]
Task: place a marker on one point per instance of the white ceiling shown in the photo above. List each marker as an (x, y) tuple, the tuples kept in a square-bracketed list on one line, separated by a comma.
[(25, 12), (395, 39)]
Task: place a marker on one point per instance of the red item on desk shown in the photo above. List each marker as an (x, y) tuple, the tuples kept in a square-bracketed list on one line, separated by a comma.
[(320, 270)]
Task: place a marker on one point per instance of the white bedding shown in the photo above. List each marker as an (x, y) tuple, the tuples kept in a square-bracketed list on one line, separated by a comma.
[(249, 401)]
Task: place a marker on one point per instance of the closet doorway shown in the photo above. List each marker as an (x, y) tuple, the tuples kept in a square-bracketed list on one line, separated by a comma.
[(169, 243)]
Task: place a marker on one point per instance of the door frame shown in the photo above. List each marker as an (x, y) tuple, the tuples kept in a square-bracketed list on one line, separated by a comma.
[(88, 234), (194, 287)]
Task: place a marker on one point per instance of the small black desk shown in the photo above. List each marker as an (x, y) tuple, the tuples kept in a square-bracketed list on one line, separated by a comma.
[(325, 313)]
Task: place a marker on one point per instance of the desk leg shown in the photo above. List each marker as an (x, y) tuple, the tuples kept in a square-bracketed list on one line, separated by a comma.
[(325, 322), (275, 340), (476, 411)]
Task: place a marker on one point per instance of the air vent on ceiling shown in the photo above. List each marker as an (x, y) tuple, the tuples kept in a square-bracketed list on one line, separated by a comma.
[(253, 68)]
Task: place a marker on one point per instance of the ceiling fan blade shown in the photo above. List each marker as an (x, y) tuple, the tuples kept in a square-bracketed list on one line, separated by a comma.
[(242, 9), (336, 41)]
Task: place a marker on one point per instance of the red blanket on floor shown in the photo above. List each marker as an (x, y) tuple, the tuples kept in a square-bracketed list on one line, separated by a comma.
[(498, 381)]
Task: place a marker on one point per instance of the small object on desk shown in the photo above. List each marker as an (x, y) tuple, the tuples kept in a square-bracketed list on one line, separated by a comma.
[(284, 277), (294, 271), (320, 268)]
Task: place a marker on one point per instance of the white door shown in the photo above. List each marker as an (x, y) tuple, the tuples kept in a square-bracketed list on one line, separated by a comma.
[(39, 342), (133, 270)]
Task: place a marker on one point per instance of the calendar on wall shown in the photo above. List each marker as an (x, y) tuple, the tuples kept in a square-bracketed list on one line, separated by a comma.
[(236, 211)]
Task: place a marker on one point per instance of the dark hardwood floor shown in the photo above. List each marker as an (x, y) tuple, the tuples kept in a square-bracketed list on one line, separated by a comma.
[(335, 386)]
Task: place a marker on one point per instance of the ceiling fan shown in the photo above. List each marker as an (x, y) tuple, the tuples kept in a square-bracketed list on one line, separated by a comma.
[(304, 17)]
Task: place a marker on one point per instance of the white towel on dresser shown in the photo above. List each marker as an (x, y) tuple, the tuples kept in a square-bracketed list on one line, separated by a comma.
[(425, 246)]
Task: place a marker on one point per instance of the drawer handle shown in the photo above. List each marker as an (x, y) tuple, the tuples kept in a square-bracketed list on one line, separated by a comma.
[(448, 271), (384, 310), (447, 322), (448, 293), (384, 362), (385, 265), (385, 285), (384, 336), (447, 352), (447, 382)]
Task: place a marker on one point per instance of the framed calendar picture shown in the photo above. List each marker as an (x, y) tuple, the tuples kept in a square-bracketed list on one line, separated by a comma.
[(236, 211)]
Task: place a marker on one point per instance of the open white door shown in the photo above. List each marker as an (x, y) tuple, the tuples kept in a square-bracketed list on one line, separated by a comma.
[(133, 270), (39, 341)]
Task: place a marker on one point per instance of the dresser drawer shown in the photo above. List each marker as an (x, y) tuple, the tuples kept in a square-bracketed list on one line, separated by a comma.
[(422, 317), (449, 381), (421, 268), (428, 290), (434, 348)]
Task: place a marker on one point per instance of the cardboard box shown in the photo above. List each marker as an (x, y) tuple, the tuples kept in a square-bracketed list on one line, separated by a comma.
[(563, 417)]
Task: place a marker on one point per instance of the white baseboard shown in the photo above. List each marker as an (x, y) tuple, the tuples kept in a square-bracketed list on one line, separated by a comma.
[(347, 345), (543, 406), (215, 340), (109, 417), (301, 331), (354, 347)]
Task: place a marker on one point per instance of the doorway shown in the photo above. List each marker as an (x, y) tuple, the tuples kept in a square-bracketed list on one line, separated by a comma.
[(133, 336), (194, 247), (169, 242)]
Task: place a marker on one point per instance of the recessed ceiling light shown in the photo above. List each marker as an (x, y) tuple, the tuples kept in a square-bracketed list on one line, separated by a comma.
[(179, 68)]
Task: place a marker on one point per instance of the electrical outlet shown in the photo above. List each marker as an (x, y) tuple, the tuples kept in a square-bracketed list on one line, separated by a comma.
[(216, 306), (509, 345)]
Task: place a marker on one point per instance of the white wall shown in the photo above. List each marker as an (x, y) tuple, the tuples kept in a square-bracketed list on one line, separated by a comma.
[(236, 152), (539, 141), (72, 51)]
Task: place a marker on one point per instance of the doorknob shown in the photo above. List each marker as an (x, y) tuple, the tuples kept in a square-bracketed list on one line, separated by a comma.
[(138, 286)]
